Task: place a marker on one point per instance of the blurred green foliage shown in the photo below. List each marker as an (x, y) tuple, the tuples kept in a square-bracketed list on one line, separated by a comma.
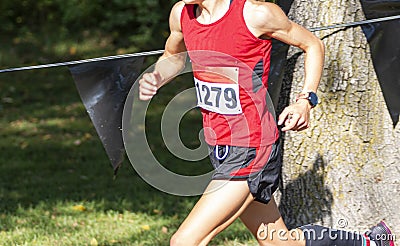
[(45, 31), (124, 24)]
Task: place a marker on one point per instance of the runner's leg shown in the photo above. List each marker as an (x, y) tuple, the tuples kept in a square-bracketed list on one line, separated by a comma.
[(266, 224), (221, 204)]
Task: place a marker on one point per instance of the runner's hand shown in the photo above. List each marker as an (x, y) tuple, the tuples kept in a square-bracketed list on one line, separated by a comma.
[(296, 117), (148, 85)]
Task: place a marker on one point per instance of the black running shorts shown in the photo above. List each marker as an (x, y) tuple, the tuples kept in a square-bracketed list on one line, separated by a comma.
[(260, 166)]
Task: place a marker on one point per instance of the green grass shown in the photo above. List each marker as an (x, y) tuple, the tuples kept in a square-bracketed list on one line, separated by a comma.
[(56, 182)]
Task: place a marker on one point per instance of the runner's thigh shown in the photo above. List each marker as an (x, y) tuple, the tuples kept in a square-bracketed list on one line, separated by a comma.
[(220, 205)]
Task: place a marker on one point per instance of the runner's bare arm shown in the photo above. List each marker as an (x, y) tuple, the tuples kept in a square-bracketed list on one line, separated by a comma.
[(171, 62), (269, 20)]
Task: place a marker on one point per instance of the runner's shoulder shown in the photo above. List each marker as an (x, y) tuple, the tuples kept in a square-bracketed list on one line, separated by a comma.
[(175, 16), (177, 8), (262, 14)]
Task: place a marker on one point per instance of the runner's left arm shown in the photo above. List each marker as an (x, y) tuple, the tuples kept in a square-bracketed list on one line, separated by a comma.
[(270, 20)]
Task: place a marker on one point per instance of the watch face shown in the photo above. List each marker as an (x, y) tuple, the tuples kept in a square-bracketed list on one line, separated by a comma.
[(313, 98)]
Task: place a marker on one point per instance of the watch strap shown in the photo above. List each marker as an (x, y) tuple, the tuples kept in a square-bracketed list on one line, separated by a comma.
[(307, 96)]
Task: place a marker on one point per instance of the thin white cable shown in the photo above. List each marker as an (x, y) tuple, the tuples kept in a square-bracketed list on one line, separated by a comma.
[(157, 52), (105, 58)]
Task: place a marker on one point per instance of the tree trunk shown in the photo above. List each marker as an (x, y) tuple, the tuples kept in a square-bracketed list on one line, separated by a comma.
[(343, 172)]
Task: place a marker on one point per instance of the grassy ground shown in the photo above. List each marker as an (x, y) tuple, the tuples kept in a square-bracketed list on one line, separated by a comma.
[(56, 182)]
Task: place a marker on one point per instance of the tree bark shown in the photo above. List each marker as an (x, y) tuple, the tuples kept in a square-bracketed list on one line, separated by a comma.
[(343, 172)]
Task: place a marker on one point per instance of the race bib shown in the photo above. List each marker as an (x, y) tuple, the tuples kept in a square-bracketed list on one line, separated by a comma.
[(217, 89)]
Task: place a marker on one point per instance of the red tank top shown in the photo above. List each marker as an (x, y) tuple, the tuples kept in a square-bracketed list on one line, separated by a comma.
[(232, 53)]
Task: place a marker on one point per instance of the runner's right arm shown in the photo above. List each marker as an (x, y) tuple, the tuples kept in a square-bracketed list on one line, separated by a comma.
[(171, 62)]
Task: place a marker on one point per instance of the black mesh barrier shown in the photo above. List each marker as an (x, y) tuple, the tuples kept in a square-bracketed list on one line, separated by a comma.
[(383, 38), (103, 87)]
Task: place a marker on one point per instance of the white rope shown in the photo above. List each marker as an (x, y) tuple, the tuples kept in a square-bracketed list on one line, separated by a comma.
[(105, 58), (157, 52), (357, 23)]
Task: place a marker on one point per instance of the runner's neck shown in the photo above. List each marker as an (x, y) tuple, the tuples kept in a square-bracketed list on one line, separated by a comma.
[(205, 11)]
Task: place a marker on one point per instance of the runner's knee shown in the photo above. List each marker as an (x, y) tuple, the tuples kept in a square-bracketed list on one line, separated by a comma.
[(271, 235), (182, 238), (262, 237)]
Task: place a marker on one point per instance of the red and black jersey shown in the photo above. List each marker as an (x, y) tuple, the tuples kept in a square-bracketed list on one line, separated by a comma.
[(228, 43)]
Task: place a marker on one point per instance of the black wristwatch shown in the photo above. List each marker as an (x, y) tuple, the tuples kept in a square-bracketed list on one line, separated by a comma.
[(310, 96)]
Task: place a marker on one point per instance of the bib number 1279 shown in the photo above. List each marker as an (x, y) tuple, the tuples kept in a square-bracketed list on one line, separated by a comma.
[(220, 98)]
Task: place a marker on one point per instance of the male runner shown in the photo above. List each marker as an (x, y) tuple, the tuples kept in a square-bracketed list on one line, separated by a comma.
[(242, 135)]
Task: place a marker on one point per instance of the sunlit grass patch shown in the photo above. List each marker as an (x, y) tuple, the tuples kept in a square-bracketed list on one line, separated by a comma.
[(64, 225), (56, 182)]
